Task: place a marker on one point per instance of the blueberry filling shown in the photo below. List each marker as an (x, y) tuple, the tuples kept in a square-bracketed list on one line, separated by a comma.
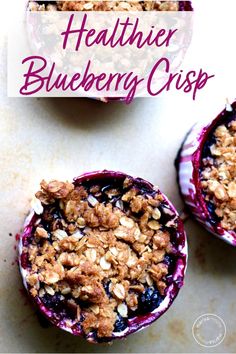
[(171, 262), (149, 301), (65, 308), (54, 302), (120, 324), (207, 147), (106, 288), (166, 214), (211, 208)]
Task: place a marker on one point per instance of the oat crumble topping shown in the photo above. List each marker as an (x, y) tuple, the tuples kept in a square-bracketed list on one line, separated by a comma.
[(97, 249), (104, 6), (219, 175)]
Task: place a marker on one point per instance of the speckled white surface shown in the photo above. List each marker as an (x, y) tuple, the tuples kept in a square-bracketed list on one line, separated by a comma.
[(61, 138)]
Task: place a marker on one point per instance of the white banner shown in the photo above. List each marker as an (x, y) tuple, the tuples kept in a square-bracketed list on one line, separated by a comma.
[(120, 54)]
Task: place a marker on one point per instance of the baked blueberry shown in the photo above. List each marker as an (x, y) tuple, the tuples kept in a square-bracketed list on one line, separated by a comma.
[(149, 300), (121, 324)]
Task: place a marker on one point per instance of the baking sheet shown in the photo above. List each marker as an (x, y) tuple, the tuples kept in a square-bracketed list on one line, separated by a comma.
[(61, 138)]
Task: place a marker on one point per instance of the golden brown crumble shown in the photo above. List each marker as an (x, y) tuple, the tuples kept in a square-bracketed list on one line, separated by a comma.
[(219, 175), (98, 248), (106, 6)]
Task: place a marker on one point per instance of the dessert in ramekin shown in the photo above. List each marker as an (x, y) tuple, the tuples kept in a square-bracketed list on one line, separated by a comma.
[(207, 174), (104, 256)]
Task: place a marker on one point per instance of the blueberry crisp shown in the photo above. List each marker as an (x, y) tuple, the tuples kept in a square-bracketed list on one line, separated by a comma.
[(100, 252), (218, 176)]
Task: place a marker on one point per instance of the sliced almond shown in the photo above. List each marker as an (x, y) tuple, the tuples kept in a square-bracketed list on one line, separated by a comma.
[(51, 277), (120, 204), (142, 238), (156, 214), (104, 264), (123, 310), (137, 233), (154, 225), (78, 234), (114, 251), (41, 292), (95, 309), (120, 233), (88, 6), (119, 291), (93, 201), (127, 222), (66, 291), (91, 254), (59, 234), (132, 261), (49, 290)]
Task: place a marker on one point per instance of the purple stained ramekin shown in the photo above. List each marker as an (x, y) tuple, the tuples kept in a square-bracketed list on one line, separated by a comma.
[(189, 164), (175, 282)]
